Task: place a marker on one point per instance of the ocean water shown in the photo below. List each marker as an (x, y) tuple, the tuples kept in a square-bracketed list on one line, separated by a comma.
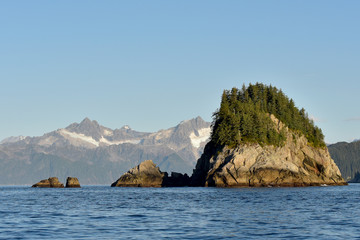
[(102, 212)]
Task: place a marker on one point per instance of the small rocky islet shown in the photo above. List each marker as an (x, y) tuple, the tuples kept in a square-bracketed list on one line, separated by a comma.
[(147, 174), (72, 182), (53, 182)]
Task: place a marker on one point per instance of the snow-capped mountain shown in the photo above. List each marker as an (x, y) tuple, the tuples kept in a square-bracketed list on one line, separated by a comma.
[(97, 154), (89, 134)]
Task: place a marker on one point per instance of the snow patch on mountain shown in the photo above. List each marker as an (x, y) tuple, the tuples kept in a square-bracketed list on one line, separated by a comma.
[(108, 133), (107, 142), (201, 136), (82, 137), (79, 136), (134, 141)]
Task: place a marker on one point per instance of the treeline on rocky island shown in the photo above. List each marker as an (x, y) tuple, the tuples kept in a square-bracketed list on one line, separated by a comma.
[(244, 117)]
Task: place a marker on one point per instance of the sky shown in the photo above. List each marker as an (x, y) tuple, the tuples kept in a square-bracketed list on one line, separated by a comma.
[(152, 64)]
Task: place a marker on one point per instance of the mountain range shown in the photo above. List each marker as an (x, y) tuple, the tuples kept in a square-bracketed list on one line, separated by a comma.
[(98, 155)]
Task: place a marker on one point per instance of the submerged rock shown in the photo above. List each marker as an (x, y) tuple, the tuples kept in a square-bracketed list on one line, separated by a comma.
[(52, 182), (72, 182), (296, 163)]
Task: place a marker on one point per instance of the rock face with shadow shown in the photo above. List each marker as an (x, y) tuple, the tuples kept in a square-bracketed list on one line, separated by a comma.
[(147, 174), (72, 182), (52, 182), (176, 180), (296, 163)]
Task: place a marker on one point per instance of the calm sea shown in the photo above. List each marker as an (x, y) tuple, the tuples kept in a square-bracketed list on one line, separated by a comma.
[(102, 212)]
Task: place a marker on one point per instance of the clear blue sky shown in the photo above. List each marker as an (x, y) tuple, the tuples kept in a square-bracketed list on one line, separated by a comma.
[(152, 64)]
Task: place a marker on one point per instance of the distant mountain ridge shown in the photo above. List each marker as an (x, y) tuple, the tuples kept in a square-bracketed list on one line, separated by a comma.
[(347, 157), (99, 155), (12, 139)]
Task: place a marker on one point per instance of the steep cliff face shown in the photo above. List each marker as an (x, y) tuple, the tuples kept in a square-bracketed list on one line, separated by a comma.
[(296, 163)]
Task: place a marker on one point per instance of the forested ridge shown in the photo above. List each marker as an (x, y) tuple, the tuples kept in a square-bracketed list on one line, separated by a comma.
[(347, 158), (244, 116)]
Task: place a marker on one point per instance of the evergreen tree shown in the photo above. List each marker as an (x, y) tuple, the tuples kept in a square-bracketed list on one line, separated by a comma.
[(244, 117)]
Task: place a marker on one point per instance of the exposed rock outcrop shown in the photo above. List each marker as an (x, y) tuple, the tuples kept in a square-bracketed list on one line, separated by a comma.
[(147, 174), (294, 164), (52, 182), (72, 182)]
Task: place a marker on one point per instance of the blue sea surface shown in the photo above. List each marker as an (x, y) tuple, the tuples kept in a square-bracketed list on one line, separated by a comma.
[(102, 212)]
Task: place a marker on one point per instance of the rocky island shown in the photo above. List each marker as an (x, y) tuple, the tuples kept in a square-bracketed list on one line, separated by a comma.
[(260, 138), (72, 182), (251, 164), (52, 182)]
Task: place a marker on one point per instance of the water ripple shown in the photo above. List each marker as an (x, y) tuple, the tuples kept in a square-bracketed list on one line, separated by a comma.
[(101, 212)]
